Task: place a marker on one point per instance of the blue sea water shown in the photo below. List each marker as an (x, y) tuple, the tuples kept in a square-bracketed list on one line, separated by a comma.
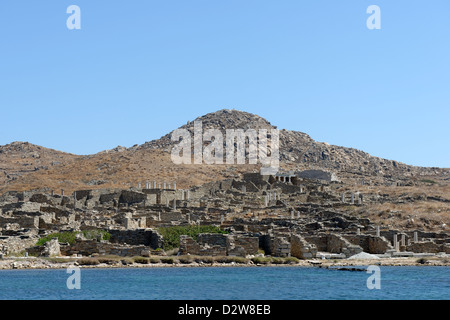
[(228, 283)]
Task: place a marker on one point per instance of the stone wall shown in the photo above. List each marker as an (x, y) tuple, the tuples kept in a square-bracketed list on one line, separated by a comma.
[(242, 245), (333, 243), (370, 243), (88, 247), (146, 237), (428, 247), (301, 249), (275, 245), (16, 244), (24, 221), (213, 244)]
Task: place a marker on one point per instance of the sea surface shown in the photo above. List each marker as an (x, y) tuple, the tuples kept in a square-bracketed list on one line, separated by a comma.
[(227, 283)]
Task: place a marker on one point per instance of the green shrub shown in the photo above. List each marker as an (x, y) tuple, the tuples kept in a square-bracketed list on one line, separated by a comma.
[(240, 260), (186, 259), (107, 260), (155, 260), (65, 237), (172, 235), (291, 260), (204, 259), (222, 259), (167, 260), (141, 260), (88, 262), (230, 259), (127, 261), (261, 260), (277, 261), (69, 236)]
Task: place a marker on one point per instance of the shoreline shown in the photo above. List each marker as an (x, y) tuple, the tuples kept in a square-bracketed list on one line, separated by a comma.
[(33, 263)]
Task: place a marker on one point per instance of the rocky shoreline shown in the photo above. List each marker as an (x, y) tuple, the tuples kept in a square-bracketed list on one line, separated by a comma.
[(59, 263)]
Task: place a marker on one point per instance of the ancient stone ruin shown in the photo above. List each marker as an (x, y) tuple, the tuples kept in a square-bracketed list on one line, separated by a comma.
[(286, 215)]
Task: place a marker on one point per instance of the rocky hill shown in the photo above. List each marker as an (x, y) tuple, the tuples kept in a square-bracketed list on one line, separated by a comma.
[(21, 158), (26, 166), (299, 149)]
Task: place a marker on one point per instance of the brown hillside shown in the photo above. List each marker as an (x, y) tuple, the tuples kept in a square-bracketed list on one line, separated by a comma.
[(21, 158)]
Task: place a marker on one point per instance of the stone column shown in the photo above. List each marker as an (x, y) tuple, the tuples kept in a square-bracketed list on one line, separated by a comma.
[(266, 200), (395, 242), (378, 231), (139, 185), (343, 198), (358, 231), (62, 192), (159, 216), (154, 184), (164, 185), (416, 236), (175, 185)]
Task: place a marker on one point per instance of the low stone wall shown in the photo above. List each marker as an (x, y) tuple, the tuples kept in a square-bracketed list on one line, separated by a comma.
[(275, 245), (301, 249), (89, 247), (16, 244), (241, 245), (334, 243), (370, 243), (24, 221), (146, 237), (428, 247), (213, 244)]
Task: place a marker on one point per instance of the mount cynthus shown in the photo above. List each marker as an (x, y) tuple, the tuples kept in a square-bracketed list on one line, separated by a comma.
[(26, 166)]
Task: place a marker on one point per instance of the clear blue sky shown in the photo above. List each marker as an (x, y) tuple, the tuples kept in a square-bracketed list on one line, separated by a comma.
[(138, 69)]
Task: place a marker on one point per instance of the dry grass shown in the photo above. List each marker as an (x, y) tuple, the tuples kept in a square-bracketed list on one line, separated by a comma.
[(122, 170), (422, 215)]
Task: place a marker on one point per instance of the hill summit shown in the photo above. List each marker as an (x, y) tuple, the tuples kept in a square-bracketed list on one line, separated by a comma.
[(26, 166)]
